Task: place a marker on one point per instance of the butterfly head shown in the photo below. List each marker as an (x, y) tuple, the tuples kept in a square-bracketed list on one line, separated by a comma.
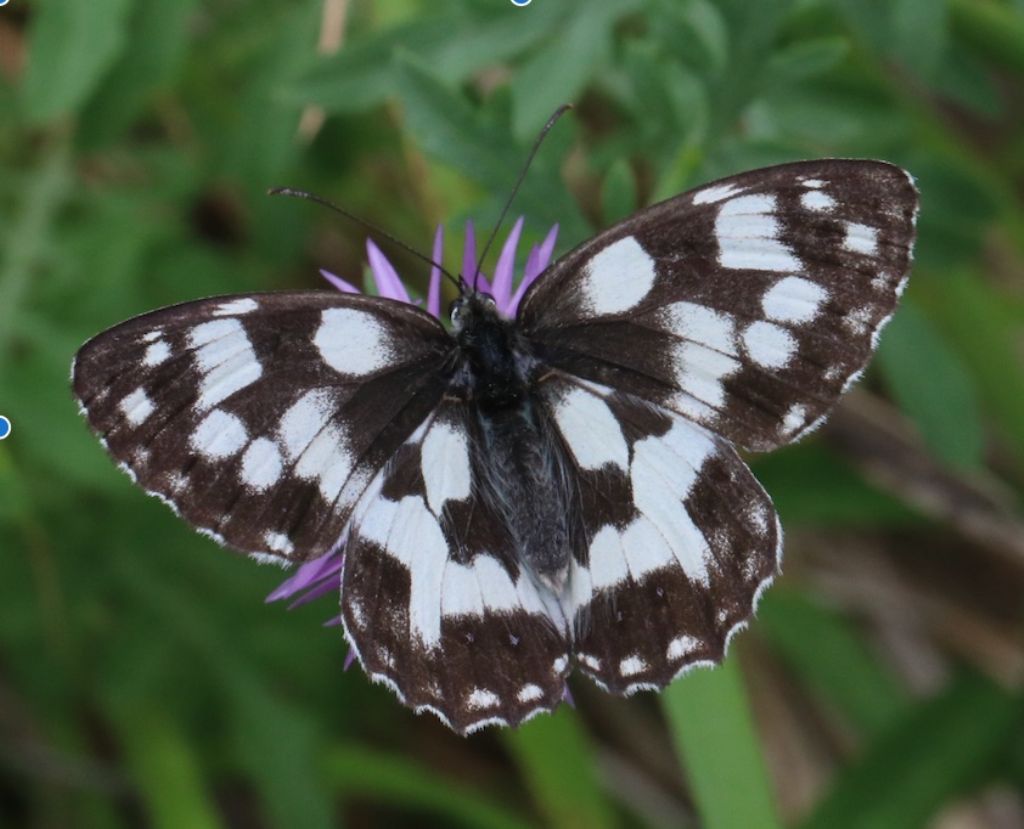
[(471, 309)]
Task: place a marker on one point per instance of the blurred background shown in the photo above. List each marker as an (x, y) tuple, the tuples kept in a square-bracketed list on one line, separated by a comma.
[(144, 682)]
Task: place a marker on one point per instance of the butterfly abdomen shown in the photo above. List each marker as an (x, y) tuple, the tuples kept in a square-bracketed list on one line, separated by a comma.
[(518, 463), (518, 467)]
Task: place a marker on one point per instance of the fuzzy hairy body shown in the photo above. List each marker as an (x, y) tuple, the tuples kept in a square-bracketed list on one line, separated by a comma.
[(519, 464)]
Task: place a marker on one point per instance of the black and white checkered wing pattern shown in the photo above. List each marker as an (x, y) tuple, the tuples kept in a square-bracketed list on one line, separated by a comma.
[(680, 539), (434, 598), (748, 305), (261, 419)]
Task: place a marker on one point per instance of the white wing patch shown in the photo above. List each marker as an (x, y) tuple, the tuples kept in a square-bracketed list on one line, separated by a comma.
[(794, 299), (261, 465), (662, 471), (157, 353), (225, 358), (861, 239), (618, 278), (304, 420), (591, 430), (219, 435), (768, 344), (408, 532), (747, 232), (137, 407), (445, 465), (236, 307), (700, 324), (716, 192), (682, 646), (632, 665), (700, 370), (353, 342), (312, 438), (816, 200)]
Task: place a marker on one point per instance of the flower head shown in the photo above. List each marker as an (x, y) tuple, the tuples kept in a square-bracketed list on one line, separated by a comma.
[(322, 575), (506, 293)]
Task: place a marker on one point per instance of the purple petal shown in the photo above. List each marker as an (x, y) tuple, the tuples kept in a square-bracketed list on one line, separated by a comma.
[(388, 283), (529, 274), (469, 255), (307, 575), (328, 585), (547, 247), (502, 289), (350, 657), (333, 622), (339, 283), (535, 265), (434, 289), (532, 264), (567, 696), (481, 282)]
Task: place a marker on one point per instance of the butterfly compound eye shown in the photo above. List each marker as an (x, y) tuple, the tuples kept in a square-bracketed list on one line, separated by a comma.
[(456, 312)]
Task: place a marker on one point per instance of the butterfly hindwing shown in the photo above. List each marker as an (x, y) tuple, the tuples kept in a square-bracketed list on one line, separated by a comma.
[(747, 305), (261, 418), (434, 597), (680, 539)]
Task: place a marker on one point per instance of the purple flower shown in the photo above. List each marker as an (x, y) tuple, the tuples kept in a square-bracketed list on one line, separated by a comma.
[(322, 575), (389, 284)]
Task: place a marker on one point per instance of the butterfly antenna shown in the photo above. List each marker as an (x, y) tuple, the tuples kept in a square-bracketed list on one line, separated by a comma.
[(558, 113), (302, 194)]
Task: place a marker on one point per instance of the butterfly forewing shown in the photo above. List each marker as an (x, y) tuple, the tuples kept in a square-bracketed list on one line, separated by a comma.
[(748, 305), (262, 418), (680, 538), (435, 598)]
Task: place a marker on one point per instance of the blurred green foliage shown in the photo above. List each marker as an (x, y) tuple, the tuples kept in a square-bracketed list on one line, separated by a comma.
[(142, 680)]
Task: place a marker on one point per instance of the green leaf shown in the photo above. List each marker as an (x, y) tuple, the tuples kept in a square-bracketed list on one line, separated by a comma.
[(812, 486), (824, 649), (157, 43), (260, 141), (986, 328), (360, 773), (31, 233), (559, 71), (363, 74), (927, 759), (719, 748), (753, 28), (933, 386), (994, 30), (804, 59), (446, 127), (870, 20), (71, 45), (167, 771), (618, 192), (555, 757), (966, 79), (277, 745), (920, 30), (695, 31)]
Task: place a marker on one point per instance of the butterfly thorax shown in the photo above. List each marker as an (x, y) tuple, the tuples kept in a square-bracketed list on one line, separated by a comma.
[(518, 462)]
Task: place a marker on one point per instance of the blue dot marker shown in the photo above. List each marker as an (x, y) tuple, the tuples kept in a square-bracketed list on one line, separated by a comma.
[(4, 3), (519, 3), (5, 424)]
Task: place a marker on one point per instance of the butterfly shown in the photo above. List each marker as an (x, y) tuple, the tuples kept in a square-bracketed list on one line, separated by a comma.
[(519, 498)]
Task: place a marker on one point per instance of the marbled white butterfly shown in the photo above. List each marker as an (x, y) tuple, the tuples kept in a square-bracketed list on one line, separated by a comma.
[(516, 498)]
